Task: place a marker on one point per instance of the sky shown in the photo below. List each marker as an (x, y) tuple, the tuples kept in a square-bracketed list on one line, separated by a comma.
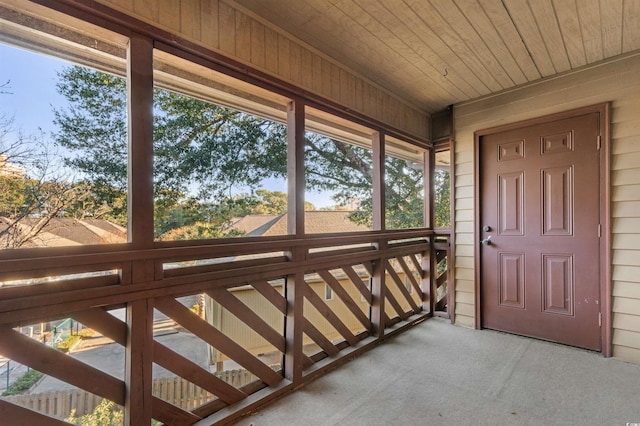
[(32, 91), (31, 98)]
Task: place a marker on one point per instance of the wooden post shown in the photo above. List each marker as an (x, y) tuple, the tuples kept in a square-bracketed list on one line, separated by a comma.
[(294, 357), (428, 259), (378, 278), (138, 363), (295, 167), (140, 107), (429, 201)]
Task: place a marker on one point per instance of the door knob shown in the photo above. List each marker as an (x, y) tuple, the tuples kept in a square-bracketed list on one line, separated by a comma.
[(487, 241)]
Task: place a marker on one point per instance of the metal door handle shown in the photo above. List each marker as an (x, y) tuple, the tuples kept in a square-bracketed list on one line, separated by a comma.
[(487, 241)]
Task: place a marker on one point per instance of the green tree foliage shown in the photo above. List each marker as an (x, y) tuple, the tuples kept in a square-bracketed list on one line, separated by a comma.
[(32, 188), (442, 198), (105, 414), (206, 157)]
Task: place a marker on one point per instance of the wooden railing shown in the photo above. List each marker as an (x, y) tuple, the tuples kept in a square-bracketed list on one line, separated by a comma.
[(175, 390), (378, 284)]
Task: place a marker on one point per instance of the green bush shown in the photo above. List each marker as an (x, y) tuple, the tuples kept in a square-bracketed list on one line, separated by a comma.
[(27, 380), (105, 414), (68, 343)]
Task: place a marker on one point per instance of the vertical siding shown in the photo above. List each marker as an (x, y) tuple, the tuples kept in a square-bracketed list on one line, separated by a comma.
[(236, 33), (617, 82)]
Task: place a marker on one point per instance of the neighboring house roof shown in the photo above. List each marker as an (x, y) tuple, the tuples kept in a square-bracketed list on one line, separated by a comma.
[(64, 231), (255, 225), (316, 222)]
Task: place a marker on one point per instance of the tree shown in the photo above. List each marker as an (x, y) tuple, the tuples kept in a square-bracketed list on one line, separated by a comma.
[(33, 189), (442, 199), (106, 413), (206, 156)]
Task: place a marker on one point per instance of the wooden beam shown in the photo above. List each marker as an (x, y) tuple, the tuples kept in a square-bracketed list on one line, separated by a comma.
[(396, 306), (429, 189), (17, 415), (140, 112), (396, 278), (409, 273), (47, 360), (271, 294), (345, 298), (329, 315), (169, 414), (317, 336), (249, 317), (138, 363), (378, 153), (111, 327), (295, 167), (205, 331), (197, 375), (103, 322), (357, 282), (294, 357)]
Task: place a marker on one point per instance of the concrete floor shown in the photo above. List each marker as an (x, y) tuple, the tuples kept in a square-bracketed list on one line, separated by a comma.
[(438, 374)]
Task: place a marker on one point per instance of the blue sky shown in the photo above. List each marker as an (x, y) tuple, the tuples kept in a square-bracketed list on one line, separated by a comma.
[(32, 97), (32, 79)]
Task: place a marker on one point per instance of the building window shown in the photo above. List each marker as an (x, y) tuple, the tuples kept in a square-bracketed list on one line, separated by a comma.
[(220, 155), (404, 185), (328, 292)]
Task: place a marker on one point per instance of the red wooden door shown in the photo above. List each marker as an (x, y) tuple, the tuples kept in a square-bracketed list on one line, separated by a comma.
[(539, 212)]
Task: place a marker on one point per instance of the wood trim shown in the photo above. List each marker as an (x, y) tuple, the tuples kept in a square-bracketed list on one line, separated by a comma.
[(140, 133), (409, 274), (329, 315), (319, 338), (294, 357), (217, 339), (353, 307), (378, 154), (197, 375), (295, 167), (477, 253), (271, 294), (429, 189), (604, 112), (248, 316), (27, 416), (23, 349), (138, 363), (357, 282), (605, 223), (451, 262), (403, 290)]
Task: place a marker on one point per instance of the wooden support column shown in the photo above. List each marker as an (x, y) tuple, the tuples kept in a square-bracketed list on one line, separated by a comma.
[(378, 278), (429, 188), (428, 259), (294, 320), (139, 353), (140, 109), (295, 167)]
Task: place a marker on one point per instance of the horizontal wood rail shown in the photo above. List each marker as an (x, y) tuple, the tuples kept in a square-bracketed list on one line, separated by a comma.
[(337, 298)]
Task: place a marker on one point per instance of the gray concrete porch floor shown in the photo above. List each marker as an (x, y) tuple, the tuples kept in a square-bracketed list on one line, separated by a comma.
[(439, 374)]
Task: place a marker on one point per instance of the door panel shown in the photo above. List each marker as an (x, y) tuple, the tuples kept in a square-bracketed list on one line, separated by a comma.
[(540, 201)]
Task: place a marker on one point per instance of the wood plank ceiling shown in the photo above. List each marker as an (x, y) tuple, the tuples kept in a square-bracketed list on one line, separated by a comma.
[(439, 52)]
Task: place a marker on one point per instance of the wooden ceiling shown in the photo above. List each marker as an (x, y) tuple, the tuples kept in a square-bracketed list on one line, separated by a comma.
[(434, 53)]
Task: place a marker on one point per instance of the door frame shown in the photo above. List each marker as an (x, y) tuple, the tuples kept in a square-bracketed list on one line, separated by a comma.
[(604, 112)]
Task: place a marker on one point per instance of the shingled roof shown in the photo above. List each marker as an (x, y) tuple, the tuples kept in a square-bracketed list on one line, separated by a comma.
[(65, 231), (316, 222)]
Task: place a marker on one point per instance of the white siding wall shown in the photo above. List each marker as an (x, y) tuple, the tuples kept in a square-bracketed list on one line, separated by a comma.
[(618, 82)]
